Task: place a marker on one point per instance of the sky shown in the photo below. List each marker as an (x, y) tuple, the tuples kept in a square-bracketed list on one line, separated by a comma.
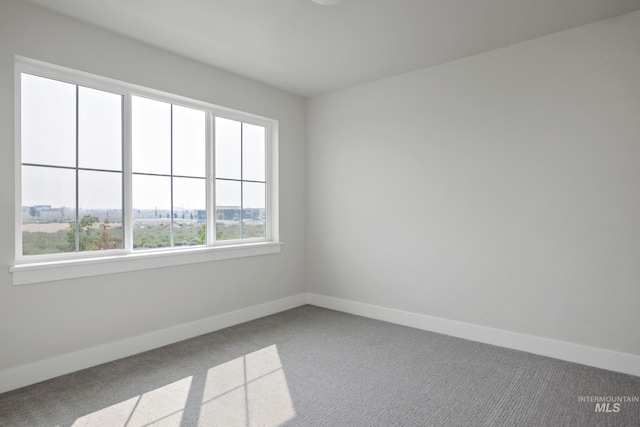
[(162, 137)]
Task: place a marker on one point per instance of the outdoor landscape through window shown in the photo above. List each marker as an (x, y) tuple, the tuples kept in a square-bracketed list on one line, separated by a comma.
[(74, 182)]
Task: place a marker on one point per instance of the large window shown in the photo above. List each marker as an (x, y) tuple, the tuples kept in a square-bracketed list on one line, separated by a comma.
[(106, 169)]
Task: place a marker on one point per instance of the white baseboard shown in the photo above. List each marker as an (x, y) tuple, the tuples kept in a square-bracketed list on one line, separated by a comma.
[(591, 356), (32, 373)]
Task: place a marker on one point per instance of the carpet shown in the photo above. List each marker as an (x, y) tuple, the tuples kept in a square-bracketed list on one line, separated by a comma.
[(316, 367)]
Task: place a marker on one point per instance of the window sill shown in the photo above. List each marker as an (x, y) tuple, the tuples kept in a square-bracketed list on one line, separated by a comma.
[(69, 269)]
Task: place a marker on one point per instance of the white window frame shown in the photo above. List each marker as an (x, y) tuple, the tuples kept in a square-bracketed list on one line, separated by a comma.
[(50, 267)]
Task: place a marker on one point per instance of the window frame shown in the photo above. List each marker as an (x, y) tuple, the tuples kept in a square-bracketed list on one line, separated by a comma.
[(48, 267)]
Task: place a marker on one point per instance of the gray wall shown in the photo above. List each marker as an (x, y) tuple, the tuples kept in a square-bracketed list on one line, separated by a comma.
[(499, 190), (41, 321)]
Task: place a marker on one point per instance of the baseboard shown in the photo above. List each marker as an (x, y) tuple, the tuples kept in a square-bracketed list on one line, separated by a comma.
[(590, 356), (32, 373)]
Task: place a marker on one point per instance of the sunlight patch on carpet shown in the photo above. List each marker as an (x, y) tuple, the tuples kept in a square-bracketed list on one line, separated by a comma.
[(163, 405), (250, 391)]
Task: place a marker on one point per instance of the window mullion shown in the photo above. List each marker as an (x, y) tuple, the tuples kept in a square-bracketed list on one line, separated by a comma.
[(271, 179), (171, 175), (267, 191), (211, 179), (77, 242), (241, 180), (18, 162), (127, 163)]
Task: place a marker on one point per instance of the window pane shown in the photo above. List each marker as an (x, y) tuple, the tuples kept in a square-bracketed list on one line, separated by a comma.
[(151, 128), (100, 202), (228, 148), (253, 157), (189, 141), (189, 208), (253, 207), (228, 210), (100, 129), (152, 211), (48, 128), (48, 208)]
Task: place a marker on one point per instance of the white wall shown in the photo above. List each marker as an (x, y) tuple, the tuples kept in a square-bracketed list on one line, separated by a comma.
[(43, 321), (500, 190)]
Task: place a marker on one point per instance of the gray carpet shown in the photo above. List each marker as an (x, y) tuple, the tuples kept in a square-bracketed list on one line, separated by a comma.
[(316, 367)]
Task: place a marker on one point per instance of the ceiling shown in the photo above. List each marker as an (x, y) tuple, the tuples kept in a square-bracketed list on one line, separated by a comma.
[(309, 49)]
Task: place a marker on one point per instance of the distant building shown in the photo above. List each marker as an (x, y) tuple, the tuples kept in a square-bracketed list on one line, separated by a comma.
[(234, 213)]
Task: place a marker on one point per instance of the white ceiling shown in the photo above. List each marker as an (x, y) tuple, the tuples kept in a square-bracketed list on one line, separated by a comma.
[(308, 49)]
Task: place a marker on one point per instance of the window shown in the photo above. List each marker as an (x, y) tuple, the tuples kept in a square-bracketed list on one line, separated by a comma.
[(72, 177), (169, 174), (108, 171)]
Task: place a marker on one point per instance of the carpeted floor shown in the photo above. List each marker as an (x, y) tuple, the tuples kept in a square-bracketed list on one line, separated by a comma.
[(316, 367)]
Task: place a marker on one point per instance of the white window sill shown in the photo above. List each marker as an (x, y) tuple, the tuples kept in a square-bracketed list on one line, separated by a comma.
[(69, 269)]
